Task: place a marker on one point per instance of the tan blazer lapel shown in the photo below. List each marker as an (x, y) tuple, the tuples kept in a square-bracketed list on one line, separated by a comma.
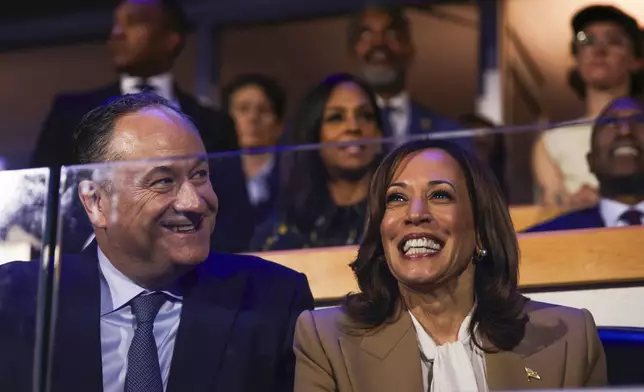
[(527, 368), (384, 360)]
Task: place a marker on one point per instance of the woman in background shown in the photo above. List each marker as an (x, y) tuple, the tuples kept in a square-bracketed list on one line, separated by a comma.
[(323, 192), (607, 49), (257, 105), (439, 308)]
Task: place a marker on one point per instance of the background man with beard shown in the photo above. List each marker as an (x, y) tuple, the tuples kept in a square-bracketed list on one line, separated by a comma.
[(146, 307), (616, 158), (380, 39)]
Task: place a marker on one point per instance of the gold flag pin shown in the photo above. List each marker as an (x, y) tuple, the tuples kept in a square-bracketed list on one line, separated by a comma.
[(532, 374)]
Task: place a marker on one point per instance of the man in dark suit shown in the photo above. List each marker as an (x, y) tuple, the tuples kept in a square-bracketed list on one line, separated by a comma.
[(380, 38), (147, 307), (146, 38), (616, 158)]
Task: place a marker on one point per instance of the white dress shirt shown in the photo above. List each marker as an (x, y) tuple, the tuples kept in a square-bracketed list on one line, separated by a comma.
[(611, 210), (118, 325), (400, 116), (163, 85), (457, 366), (259, 188)]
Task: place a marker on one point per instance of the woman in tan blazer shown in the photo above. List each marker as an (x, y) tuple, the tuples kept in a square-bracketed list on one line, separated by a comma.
[(438, 308)]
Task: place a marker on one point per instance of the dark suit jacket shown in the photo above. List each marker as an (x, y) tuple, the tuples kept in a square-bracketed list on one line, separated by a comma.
[(560, 344), (236, 329), (55, 148), (582, 219), (424, 121)]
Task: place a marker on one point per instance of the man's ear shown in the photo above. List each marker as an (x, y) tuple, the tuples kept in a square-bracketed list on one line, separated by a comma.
[(93, 199), (173, 41)]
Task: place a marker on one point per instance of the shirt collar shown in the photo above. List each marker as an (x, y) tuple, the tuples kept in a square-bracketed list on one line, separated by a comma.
[(427, 345), (611, 210), (163, 84), (116, 288), (399, 102), (266, 170)]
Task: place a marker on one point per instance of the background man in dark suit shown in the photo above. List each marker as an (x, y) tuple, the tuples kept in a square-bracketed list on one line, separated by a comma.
[(617, 159), (146, 38), (380, 38), (147, 307)]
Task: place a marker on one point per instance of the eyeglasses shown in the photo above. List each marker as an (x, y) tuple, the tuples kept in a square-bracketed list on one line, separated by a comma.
[(584, 39)]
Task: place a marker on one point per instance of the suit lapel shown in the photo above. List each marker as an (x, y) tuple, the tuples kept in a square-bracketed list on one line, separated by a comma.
[(385, 360), (540, 369), (77, 349), (595, 218), (211, 302), (419, 122)]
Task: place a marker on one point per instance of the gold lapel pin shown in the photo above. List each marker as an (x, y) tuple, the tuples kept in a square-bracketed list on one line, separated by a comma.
[(426, 123), (532, 374)]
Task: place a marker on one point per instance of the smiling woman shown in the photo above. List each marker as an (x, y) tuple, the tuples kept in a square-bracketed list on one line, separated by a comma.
[(439, 306), (322, 197)]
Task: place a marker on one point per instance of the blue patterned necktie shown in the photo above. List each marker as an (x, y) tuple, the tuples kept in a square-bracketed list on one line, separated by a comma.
[(143, 370), (144, 87), (387, 127), (633, 217)]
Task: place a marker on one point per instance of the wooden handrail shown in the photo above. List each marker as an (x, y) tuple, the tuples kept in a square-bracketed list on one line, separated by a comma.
[(555, 259)]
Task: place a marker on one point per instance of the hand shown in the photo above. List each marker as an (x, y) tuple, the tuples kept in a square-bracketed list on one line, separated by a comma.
[(555, 198), (585, 197)]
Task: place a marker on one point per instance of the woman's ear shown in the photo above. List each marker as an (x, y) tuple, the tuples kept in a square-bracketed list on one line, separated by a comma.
[(93, 199)]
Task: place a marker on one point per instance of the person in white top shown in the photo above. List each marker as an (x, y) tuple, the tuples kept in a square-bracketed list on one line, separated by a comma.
[(617, 159), (438, 308), (607, 50)]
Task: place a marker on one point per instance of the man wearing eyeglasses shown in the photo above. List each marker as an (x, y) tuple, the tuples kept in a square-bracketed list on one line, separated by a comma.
[(616, 158)]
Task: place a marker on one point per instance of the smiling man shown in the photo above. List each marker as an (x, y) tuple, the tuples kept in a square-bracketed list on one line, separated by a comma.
[(616, 158), (381, 42), (147, 307)]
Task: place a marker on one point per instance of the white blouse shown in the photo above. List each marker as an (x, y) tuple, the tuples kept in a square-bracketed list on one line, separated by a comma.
[(568, 146), (457, 366)]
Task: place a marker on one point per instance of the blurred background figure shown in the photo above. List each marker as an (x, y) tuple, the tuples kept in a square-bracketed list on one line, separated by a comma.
[(489, 148), (146, 38), (257, 104), (380, 40), (616, 158), (607, 49), (323, 193)]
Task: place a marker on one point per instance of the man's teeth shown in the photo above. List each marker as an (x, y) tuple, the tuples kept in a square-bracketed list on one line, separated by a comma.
[(626, 151), (183, 228), (420, 246)]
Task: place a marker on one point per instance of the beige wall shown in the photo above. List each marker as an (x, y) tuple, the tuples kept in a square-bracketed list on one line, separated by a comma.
[(299, 54), (30, 79)]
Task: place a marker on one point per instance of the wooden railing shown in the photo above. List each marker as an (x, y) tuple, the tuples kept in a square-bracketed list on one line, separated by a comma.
[(554, 259)]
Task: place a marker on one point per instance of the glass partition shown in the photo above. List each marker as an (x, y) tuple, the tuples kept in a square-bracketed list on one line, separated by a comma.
[(162, 211), (23, 214), (294, 197)]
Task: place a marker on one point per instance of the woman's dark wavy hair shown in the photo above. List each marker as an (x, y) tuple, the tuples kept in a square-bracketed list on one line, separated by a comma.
[(499, 316), (303, 188)]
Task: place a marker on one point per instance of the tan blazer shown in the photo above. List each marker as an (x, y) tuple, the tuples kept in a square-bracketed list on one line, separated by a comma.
[(560, 344)]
